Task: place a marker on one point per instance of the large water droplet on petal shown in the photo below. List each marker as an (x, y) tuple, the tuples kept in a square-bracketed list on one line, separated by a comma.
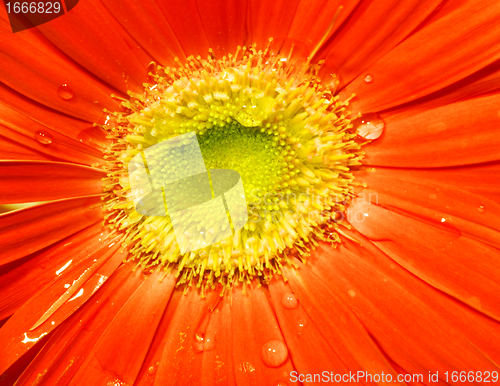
[(370, 126), (480, 209), (65, 92), (152, 71), (199, 342), (209, 343), (289, 301), (274, 353), (94, 136), (368, 78), (44, 138)]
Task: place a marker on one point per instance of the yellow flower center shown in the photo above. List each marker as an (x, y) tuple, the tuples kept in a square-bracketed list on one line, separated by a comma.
[(267, 117)]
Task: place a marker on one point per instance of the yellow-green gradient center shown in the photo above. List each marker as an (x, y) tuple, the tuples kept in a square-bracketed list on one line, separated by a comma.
[(273, 121)]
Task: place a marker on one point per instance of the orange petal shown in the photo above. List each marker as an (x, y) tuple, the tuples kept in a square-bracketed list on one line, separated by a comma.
[(147, 25), (444, 259), (302, 337), (11, 375), (436, 56), (227, 16), (17, 337), (129, 334), (269, 19), (189, 29), (418, 327), (447, 207), (253, 324), (53, 120), (12, 150), (107, 51), (374, 29), (179, 363), (479, 179), (440, 137), (312, 20), (42, 82), (352, 342), (210, 350), (483, 82), (29, 181), (18, 285), (37, 136), (28, 230), (70, 343), (150, 365)]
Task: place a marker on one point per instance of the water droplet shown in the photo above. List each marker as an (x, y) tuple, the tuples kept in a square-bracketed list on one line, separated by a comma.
[(302, 324), (480, 209), (152, 67), (65, 92), (152, 370), (282, 383), (152, 71), (209, 343), (198, 343), (370, 126), (274, 353), (368, 78), (44, 138), (289, 301), (447, 223), (95, 137), (351, 293)]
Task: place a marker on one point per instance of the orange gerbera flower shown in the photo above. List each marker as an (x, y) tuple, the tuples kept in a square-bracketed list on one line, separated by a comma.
[(396, 280)]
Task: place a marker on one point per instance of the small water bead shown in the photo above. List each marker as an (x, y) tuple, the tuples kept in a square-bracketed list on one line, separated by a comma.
[(198, 342), (289, 301), (44, 138), (480, 209), (447, 223), (368, 78), (370, 126), (204, 342), (65, 92), (302, 323), (94, 136), (274, 353), (152, 370)]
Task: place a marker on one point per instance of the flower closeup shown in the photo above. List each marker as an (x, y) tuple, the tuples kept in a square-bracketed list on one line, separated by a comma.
[(250, 193)]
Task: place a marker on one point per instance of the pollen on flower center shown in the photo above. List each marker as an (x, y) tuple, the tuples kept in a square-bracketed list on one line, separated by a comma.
[(267, 117)]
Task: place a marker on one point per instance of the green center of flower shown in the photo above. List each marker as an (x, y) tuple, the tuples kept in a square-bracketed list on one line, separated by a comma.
[(250, 152), (269, 119)]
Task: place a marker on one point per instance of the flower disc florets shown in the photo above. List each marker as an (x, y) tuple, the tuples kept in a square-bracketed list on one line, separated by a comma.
[(265, 116)]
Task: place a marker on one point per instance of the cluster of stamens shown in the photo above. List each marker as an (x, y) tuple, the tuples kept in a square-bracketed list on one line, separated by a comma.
[(269, 118)]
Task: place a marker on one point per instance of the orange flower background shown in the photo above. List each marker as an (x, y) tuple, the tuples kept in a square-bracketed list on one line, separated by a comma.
[(413, 288)]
